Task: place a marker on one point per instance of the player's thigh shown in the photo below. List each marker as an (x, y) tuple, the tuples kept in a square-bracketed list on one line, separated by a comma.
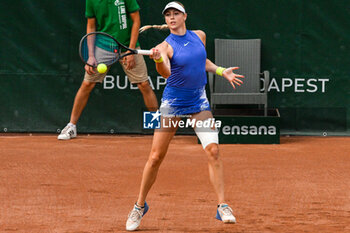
[(202, 115), (207, 133), (163, 136)]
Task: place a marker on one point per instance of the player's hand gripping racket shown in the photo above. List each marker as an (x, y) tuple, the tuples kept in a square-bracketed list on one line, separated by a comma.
[(99, 47)]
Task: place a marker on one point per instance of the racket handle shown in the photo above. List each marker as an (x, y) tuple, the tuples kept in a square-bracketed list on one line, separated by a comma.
[(144, 52)]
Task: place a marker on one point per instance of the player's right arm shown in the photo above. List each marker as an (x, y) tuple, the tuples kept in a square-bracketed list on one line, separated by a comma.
[(161, 54), (91, 27)]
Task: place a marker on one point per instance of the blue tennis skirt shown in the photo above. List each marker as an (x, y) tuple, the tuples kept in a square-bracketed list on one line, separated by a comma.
[(178, 101)]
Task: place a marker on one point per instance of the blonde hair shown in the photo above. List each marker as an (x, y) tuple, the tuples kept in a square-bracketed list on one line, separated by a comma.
[(158, 27)]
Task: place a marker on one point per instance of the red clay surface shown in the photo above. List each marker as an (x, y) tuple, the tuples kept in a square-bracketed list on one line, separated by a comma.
[(89, 184)]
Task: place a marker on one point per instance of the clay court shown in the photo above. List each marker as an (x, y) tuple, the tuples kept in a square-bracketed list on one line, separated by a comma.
[(89, 184)]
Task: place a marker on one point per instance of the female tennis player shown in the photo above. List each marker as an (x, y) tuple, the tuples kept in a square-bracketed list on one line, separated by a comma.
[(182, 59)]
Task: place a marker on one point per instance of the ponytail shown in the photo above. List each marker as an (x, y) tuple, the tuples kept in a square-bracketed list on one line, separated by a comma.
[(158, 27)]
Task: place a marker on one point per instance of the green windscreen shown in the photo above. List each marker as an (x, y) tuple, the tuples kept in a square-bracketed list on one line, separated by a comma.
[(305, 46)]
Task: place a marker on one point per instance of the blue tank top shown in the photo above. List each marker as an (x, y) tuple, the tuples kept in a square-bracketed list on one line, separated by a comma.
[(188, 61)]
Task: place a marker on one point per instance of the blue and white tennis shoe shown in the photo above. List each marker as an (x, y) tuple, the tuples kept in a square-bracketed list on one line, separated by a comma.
[(135, 216), (224, 213)]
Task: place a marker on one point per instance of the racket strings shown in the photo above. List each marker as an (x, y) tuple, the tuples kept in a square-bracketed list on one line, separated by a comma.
[(98, 48)]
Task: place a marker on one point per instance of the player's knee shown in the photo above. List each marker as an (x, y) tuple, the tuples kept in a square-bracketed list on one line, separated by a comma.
[(87, 86), (155, 159), (144, 86), (212, 151)]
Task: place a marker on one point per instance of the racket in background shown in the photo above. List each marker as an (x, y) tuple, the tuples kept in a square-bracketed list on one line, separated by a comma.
[(100, 48)]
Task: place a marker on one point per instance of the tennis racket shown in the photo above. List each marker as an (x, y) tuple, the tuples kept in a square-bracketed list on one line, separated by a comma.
[(99, 47)]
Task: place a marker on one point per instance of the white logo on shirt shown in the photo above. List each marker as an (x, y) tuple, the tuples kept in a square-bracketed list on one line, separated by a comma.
[(186, 44)]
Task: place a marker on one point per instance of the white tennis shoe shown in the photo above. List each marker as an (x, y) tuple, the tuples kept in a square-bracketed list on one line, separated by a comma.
[(68, 132), (224, 213), (135, 216)]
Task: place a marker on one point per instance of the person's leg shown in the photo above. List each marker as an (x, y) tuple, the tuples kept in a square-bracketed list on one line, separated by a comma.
[(160, 144), (216, 171), (149, 97), (208, 136), (80, 100), (209, 139)]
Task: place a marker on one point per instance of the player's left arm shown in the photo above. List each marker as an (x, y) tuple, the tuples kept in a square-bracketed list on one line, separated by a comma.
[(211, 67), (135, 17)]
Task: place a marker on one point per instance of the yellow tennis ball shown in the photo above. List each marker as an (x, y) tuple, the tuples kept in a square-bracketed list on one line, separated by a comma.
[(101, 68)]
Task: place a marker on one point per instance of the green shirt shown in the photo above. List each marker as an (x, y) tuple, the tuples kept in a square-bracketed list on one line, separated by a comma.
[(112, 17)]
